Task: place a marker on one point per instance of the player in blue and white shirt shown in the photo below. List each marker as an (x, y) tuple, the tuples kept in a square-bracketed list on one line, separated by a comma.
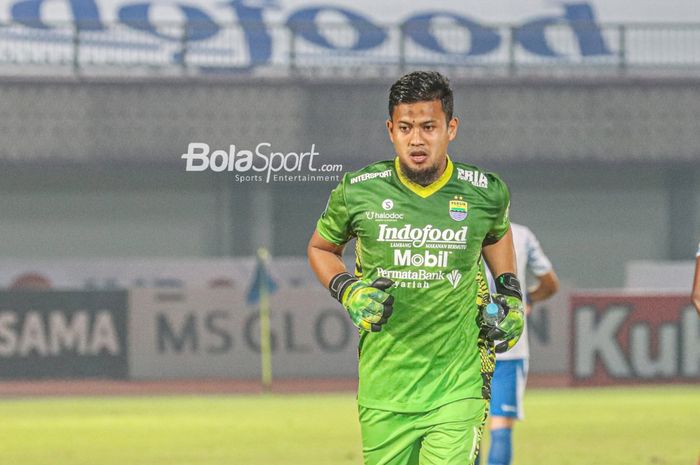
[(696, 282), (508, 383)]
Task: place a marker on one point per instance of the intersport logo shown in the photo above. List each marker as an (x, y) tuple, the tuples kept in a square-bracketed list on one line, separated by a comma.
[(419, 237)]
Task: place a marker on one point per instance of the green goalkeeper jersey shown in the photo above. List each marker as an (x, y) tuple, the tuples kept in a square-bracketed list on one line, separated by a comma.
[(427, 240)]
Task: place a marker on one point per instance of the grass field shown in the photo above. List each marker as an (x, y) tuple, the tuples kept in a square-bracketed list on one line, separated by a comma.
[(659, 426)]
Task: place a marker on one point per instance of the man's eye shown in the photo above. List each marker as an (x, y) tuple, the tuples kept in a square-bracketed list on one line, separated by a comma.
[(403, 128), (429, 127)]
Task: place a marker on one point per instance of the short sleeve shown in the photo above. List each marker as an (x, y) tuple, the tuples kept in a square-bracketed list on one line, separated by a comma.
[(334, 223), (501, 224)]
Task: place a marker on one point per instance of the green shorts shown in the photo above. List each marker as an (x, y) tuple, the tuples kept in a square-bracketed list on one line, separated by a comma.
[(448, 435)]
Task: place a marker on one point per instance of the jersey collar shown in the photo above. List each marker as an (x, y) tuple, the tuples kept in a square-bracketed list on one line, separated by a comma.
[(427, 190)]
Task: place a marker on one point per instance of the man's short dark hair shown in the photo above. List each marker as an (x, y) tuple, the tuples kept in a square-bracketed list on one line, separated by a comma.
[(422, 86)]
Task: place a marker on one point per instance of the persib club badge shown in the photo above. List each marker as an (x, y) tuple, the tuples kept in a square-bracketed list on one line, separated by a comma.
[(458, 209)]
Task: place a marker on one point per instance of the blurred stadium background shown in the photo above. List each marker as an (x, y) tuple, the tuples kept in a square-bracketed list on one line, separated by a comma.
[(124, 273)]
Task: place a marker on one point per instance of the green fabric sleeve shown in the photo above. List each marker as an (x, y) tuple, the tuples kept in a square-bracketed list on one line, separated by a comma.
[(334, 223), (501, 225)]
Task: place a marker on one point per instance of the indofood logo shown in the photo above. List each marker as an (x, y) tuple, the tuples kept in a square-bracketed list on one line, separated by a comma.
[(425, 236)]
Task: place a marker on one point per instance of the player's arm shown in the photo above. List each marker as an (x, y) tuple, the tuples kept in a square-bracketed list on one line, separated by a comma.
[(696, 285), (500, 257), (325, 258), (547, 286), (540, 266), (367, 304)]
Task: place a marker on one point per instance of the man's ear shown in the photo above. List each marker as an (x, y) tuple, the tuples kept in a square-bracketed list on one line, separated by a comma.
[(452, 127), (389, 128)]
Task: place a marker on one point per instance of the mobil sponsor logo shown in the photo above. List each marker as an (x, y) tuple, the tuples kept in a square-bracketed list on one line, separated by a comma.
[(633, 338), (426, 236), (406, 257)]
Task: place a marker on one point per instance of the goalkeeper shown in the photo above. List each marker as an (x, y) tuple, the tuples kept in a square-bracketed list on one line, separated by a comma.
[(422, 221)]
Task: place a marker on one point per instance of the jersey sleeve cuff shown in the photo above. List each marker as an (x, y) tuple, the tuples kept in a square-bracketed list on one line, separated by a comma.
[(492, 238), (326, 235)]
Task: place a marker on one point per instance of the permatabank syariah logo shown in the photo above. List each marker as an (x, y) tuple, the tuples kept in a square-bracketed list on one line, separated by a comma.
[(262, 164)]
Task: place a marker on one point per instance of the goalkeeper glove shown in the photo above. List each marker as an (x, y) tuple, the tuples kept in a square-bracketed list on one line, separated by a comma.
[(509, 329), (368, 305)]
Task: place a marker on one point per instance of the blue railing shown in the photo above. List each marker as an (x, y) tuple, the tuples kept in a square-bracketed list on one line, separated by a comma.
[(195, 48)]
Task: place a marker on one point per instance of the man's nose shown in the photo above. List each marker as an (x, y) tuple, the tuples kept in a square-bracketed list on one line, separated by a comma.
[(416, 138)]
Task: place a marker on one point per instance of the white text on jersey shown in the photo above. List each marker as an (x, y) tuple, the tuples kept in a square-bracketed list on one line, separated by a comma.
[(435, 260), (475, 177), (366, 176), (418, 237)]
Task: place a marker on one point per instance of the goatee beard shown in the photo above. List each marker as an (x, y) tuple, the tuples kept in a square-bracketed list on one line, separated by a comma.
[(423, 177)]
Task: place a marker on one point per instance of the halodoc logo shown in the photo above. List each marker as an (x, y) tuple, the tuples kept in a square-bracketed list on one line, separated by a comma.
[(263, 164)]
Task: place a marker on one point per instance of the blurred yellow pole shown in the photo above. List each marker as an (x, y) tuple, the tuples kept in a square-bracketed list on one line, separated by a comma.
[(265, 346)]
